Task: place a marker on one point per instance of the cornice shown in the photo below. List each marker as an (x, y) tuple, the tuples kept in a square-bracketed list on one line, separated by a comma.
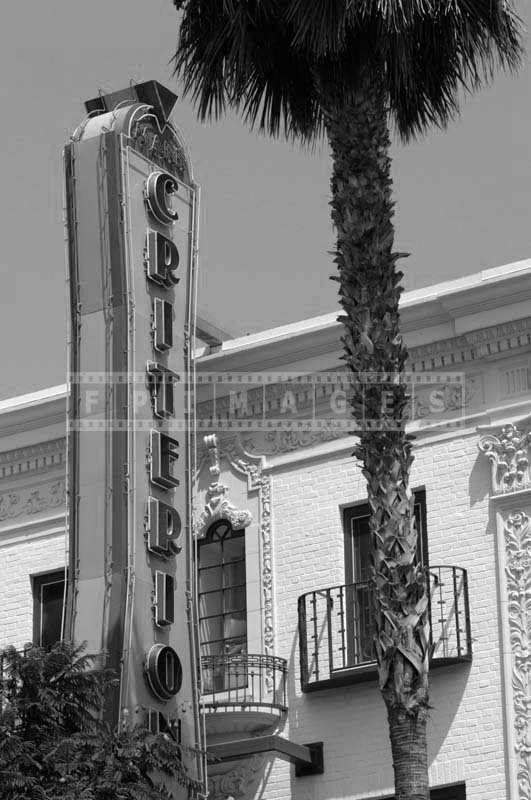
[(430, 313), (495, 340), (33, 411), (34, 459)]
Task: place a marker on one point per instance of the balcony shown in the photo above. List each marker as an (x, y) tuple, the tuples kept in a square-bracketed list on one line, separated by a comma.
[(336, 629), (242, 695)]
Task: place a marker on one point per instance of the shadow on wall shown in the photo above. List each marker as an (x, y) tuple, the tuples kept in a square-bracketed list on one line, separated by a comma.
[(447, 687), (352, 724), (479, 480)]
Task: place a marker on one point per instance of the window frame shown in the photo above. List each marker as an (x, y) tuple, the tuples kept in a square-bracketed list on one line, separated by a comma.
[(38, 582), (356, 592), (361, 510), (208, 539)]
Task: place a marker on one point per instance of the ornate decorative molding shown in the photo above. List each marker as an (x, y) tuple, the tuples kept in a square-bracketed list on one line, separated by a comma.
[(471, 346), (238, 782), (162, 146), (218, 505), (258, 481), (508, 452), (35, 458), (517, 535), (26, 502), (276, 442), (251, 467), (267, 570)]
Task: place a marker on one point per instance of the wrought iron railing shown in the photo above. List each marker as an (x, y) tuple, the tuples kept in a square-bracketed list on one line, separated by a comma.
[(244, 681), (336, 628)]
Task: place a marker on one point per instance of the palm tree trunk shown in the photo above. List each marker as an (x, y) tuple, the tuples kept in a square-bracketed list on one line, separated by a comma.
[(362, 211)]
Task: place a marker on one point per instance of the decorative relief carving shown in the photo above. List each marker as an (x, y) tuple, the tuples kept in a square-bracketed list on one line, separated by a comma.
[(267, 571), (275, 442), (238, 782), (33, 459), (453, 397), (218, 505), (508, 452), (473, 345), (518, 575), (161, 146), (256, 481), (32, 501)]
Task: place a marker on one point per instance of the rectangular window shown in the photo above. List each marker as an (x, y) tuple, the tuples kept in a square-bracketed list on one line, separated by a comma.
[(222, 606), (357, 565), (48, 592)]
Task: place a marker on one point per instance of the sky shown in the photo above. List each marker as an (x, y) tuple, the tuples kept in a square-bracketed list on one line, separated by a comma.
[(463, 196)]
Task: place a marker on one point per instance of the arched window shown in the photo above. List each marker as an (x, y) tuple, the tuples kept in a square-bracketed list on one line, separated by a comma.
[(222, 591)]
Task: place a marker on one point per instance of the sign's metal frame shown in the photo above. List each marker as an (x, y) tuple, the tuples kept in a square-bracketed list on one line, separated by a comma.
[(113, 498)]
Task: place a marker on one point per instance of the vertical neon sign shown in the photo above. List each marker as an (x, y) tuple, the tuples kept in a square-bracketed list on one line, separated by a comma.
[(131, 209)]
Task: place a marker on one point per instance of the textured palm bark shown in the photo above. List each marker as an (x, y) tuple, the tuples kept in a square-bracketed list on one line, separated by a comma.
[(369, 288)]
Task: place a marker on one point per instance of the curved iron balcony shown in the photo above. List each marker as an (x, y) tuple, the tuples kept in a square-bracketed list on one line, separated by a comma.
[(243, 693), (336, 629)]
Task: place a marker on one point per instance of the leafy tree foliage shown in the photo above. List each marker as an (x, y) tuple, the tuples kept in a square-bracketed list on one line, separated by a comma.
[(55, 743)]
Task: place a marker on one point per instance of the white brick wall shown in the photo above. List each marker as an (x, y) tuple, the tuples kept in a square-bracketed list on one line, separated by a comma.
[(19, 560), (466, 727)]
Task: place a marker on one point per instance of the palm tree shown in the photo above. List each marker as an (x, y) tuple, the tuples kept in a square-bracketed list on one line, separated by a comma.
[(349, 70)]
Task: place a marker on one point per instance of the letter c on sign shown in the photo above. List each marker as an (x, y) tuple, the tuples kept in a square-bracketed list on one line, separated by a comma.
[(164, 671), (159, 188)]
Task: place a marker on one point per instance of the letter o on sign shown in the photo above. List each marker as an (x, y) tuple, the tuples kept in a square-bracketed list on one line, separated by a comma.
[(164, 671), (159, 188)]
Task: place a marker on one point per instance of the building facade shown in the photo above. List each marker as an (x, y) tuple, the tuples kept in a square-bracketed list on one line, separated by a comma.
[(282, 551)]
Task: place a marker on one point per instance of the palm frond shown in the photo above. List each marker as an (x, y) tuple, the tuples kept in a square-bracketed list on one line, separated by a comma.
[(281, 63)]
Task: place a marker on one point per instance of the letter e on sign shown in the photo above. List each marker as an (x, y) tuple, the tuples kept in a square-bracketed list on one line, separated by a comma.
[(164, 455)]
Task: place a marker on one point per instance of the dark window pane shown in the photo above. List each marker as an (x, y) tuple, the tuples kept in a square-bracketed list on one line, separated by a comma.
[(234, 549), (210, 579), (358, 544), (211, 629), (361, 548), (222, 614), (234, 625), (234, 599), (210, 554), (213, 649), (210, 604), (234, 573), (51, 612)]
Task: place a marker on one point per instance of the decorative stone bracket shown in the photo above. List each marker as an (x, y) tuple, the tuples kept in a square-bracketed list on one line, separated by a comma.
[(509, 452), (218, 505)]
